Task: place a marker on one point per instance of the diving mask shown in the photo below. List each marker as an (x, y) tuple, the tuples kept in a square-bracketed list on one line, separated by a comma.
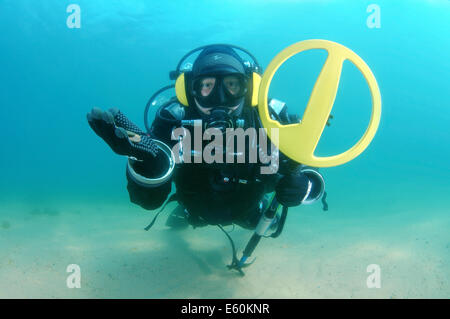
[(224, 90)]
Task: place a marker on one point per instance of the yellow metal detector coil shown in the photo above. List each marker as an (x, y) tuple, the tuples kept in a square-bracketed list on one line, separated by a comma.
[(299, 141)]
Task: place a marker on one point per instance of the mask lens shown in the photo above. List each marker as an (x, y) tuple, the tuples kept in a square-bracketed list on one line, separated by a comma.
[(204, 86), (235, 85), (219, 90)]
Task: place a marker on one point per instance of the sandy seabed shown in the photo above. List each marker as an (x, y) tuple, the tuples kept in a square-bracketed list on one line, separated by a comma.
[(319, 255)]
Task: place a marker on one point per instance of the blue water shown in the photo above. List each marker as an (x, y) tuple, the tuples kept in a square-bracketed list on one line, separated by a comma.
[(396, 191)]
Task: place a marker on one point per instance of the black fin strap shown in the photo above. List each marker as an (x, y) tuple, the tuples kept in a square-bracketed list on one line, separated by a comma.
[(171, 199), (324, 201), (235, 262)]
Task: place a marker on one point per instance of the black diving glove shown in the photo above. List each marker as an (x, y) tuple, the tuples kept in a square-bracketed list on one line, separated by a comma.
[(292, 189), (122, 135)]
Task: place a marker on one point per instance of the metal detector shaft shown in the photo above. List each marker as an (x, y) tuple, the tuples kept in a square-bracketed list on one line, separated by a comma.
[(263, 225)]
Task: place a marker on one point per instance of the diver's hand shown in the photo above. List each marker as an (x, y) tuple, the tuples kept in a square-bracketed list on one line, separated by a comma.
[(292, 189), (122, 135)]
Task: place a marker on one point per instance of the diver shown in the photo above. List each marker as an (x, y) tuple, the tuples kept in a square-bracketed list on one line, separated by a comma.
[(218, 91)]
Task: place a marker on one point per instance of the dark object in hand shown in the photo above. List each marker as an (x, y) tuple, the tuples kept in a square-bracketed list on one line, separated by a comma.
[(291, 189)]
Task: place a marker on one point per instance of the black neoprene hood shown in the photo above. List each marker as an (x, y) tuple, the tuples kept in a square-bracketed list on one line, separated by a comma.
[(218, 60)]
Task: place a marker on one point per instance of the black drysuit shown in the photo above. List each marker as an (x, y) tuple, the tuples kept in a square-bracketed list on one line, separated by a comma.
[(212, 194)]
